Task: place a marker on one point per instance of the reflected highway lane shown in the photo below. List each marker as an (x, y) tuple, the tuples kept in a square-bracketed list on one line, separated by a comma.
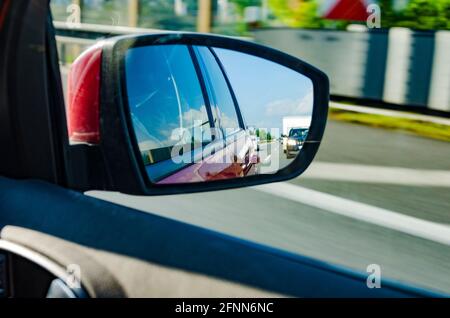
[(389, 206)]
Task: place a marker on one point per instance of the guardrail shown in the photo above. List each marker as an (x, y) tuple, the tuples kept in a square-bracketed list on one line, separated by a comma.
[(95, 31), (397, 66), (72, 39)]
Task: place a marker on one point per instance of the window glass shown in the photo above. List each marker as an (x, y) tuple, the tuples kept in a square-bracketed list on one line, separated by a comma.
[(222, 104), (165, 99)]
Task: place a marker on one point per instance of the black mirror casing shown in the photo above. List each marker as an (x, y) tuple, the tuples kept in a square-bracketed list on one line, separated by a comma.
[(118, 145)]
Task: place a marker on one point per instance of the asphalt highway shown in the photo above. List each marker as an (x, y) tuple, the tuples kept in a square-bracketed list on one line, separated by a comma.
[(372, 196)]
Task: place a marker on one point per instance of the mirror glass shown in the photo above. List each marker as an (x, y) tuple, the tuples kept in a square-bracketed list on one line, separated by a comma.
[(202, 113)]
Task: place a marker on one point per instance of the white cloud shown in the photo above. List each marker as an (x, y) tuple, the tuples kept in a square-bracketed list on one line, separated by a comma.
[(291, 107)]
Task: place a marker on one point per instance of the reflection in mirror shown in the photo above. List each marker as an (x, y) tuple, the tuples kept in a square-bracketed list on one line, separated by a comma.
[(202, 114)]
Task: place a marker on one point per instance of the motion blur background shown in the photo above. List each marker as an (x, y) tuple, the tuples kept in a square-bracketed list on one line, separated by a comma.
[(379, 190)]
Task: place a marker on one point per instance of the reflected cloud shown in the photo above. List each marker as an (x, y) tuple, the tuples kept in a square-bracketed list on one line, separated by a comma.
[(195, 115), (174, 134), (291, 107)]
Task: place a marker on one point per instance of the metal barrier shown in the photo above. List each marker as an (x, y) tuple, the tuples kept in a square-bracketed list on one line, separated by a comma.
[(72, 39), (399, 66)]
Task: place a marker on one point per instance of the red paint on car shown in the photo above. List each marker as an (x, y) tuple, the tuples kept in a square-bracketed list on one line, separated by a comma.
[(233, 161)]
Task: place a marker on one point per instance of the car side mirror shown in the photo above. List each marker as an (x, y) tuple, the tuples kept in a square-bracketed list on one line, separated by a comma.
[(167, 112)]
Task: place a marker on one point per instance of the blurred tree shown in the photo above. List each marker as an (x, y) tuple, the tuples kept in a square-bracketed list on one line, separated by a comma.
[(416, 14), (262, 135), (388, 15), (237, 25), (297, 13), (162, 14), (425, 15), (242, 4)]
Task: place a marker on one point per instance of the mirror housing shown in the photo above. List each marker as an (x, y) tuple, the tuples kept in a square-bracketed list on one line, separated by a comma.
[(103, 116)]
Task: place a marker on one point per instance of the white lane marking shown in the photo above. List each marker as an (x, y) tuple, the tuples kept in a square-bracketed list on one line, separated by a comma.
[(378, 174), (370, 214), (390, 113)]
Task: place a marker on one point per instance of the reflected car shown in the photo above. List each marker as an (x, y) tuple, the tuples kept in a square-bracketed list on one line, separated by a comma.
[(295, 141)]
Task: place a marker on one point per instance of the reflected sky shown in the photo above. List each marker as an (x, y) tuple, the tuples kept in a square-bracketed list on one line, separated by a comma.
[(266, 91), (164, 94)]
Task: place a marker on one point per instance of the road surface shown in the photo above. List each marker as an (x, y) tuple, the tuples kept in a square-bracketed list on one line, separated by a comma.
[(372, 196), (408, 177)]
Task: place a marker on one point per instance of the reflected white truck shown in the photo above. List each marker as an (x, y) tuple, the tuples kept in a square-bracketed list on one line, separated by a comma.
[(291, 122)]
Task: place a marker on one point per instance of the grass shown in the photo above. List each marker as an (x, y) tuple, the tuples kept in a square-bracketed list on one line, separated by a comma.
[(418, 127)]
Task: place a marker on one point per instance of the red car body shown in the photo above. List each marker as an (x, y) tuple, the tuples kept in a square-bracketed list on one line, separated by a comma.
[(237, 159)]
